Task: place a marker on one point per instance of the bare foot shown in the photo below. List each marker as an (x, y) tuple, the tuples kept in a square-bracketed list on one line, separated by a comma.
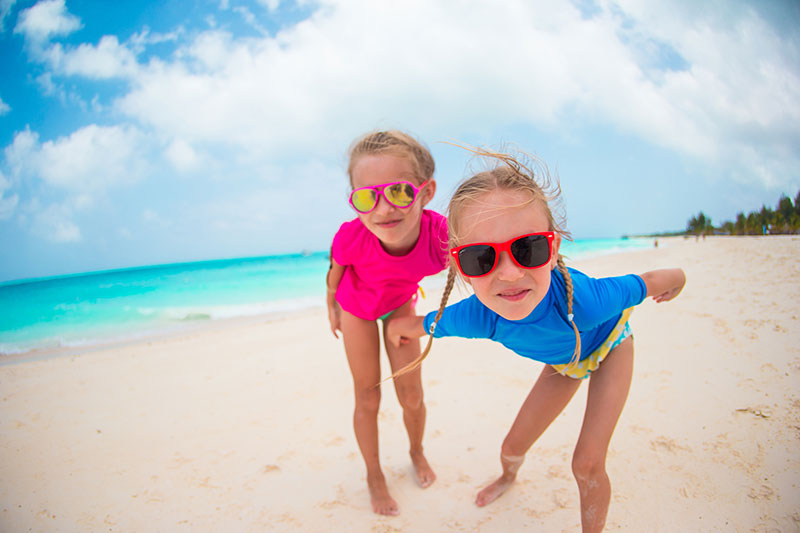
[(382, 503), (493, 491), (425, 475)]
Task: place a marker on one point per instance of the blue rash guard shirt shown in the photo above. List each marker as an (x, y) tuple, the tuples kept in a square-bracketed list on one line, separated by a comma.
[(546, 334)]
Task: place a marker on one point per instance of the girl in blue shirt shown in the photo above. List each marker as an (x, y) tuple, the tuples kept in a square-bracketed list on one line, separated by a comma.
[(504, 242)]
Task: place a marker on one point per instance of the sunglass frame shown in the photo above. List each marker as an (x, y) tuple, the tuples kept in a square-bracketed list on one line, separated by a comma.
[(379, 190), (504, 247)]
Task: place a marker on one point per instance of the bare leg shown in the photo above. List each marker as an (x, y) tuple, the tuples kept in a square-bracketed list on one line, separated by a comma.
[(608, 390), (361, 343), (409, 393), (548, 397)]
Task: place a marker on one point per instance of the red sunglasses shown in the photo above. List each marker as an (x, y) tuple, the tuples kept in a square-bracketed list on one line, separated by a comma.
[(532, 250)]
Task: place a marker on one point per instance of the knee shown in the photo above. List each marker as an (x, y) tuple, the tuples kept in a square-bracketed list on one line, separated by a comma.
[(368, 401), (588, 467), (410, 398)]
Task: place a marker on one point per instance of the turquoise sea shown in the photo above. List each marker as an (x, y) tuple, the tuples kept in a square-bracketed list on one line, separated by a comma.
[(121, 305)]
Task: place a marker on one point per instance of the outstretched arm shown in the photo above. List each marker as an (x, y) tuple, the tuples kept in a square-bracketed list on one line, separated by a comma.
[(399, 330), (664, 284), (335, 273)]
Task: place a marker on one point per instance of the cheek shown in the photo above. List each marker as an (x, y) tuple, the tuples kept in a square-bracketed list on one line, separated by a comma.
[(480, 286), (541, 277)]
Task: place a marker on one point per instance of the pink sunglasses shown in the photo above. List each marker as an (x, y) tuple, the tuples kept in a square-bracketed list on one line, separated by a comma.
[(398, 193)]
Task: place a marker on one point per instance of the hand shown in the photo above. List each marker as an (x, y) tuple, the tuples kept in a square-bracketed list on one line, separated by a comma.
[(334, 318), (665, 284), (676, 280), (667, 295), (393, 335)]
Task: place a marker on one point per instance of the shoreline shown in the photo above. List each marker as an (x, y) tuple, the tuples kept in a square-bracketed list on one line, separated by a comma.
[(165, 331), (160, 334)]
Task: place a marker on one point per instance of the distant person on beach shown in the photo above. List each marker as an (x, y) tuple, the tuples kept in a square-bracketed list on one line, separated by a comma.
[(504, 242), (377, 262)]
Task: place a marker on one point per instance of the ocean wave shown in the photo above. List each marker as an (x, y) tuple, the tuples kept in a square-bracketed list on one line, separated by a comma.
[(219, 312)]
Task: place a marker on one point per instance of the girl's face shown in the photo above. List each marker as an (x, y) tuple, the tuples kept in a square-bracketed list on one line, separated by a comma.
[(397, 229), (498, 216)]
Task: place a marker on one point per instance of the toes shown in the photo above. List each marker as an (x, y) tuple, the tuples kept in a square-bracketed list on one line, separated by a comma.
[(426, 479), (386, 510)]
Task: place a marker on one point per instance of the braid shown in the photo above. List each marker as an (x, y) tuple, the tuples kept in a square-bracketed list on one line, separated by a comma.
[(448, 288), (568, 287)]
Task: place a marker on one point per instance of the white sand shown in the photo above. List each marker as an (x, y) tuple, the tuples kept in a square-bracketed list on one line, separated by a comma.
[(248, 427)]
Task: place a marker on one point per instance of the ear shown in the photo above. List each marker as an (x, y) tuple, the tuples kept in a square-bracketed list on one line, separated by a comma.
[(428, 192), (554, 254)]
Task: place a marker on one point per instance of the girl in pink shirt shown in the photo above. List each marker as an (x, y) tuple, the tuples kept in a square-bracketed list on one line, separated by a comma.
[(377, 261)]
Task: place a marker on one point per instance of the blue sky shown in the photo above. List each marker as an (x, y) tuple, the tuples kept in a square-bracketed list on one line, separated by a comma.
[(147, 132)]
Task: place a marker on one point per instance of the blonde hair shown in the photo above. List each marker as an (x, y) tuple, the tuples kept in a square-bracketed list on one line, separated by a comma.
[(521, 173), (394, 143)]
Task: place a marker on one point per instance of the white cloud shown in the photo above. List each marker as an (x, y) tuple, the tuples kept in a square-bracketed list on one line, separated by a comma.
[(55, 224), (488, 67), (150, 216), (182, 156), (4, 107), (45, 81), (46, 19), (5, 9), (108, 59), (139, 41), (90, 159), (271, 5), (75, 170), (7, 204), (19, 152), (250, 19)]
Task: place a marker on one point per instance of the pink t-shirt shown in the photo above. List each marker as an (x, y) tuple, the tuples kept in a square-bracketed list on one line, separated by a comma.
[(375, 282)]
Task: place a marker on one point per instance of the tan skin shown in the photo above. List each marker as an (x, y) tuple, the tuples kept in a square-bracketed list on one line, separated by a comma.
[(398, 230), (514, 292)]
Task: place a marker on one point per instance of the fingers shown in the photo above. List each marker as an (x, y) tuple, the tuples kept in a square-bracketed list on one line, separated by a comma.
[(398, 341), (666, 296), (335, 327)]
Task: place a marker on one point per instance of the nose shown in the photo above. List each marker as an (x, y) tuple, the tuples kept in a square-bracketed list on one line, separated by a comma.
[(507, 269), (383, 206)]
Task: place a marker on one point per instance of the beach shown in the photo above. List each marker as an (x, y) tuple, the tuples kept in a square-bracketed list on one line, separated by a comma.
[(248, 427)]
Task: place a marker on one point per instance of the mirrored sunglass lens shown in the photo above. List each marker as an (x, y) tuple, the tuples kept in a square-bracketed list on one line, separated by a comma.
[(531, 251), (476, 260), (364, 199), (400, 194)]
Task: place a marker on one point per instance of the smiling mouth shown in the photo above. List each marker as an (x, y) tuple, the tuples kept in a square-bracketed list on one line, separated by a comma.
[(388, 223), (514, 295)]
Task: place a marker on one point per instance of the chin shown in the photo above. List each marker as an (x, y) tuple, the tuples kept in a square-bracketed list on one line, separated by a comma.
[(511, 312), (511, 315)]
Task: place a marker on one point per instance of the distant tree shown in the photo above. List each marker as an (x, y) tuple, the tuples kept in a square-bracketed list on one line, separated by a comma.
[(797, 204), (785, 218), (752, 226), (785, 207), (741, 224), (794, 223), (767, 218), (728, 227), (699, 224)]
